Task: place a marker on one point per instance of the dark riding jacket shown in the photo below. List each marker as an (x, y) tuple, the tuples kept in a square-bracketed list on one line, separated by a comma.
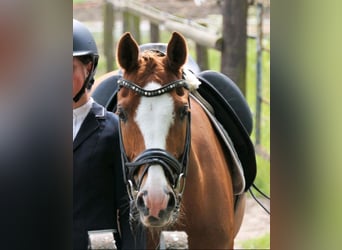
[(98, 188)]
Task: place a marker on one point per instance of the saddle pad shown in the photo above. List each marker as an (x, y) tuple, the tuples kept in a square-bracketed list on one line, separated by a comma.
[(230, 120), (105, 93), (235, 166)]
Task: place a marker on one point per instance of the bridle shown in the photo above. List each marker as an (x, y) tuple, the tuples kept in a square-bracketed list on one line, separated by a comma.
[(174, 169)]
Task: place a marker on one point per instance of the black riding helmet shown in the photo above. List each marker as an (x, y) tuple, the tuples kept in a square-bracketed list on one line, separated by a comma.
[(84, 46)]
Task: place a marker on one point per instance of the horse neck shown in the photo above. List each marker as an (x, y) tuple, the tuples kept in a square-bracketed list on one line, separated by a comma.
[(207, 156)]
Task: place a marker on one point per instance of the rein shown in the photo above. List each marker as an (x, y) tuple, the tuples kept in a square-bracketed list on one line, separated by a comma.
[(176, 170)]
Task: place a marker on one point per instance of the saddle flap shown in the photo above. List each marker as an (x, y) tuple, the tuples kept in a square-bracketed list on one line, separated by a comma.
[(105, 93), (235, 119), (235, 167)]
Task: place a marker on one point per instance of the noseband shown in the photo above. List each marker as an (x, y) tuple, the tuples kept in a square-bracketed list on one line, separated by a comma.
[(175, 170)]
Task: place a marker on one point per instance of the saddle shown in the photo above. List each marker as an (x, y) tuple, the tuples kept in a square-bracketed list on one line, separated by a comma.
[(232, 118)]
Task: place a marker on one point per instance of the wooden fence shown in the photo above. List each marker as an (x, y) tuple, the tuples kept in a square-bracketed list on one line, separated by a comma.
[(131, 12)]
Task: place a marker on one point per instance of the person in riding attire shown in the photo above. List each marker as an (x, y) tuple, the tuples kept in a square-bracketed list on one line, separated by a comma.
[(100, 198)]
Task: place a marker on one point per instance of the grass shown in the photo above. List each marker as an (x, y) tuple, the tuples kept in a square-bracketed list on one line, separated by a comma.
[(263, 173), (262, 242), (79, 1)]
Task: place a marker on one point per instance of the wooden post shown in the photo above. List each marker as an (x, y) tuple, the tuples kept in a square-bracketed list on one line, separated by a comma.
[(135, 28), (126, 21), (154, 33), (258, 75), (131, 23), (202, 57), (101, 239), (234, 46), (173, 240), (108, 26)]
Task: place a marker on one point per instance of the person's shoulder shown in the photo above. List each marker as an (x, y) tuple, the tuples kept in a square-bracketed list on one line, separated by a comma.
[(101, 112), (111, 116)]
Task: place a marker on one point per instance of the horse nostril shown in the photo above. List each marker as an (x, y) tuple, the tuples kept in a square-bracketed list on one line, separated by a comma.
[(140, 201), (172, 201)]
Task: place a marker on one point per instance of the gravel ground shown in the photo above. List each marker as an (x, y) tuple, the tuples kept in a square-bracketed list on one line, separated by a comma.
[(256, 222)]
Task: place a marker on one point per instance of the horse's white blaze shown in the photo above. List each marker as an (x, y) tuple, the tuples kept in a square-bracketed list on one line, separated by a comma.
[(155, 186), (154, 117)]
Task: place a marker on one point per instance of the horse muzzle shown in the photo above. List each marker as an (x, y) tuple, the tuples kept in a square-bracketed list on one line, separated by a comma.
[(156, 207)]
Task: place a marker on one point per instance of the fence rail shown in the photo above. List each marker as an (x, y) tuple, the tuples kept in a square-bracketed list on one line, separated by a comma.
[(203, 37), (194, 31)]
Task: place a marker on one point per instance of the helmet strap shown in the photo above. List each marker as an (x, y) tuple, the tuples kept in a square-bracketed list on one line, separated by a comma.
[(82, 90)]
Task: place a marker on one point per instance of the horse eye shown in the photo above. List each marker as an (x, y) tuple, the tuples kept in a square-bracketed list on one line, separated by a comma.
[(122, 114), (180, 91)]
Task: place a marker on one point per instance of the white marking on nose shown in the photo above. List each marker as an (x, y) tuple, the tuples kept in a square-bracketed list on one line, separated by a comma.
[(154, 117), (155, 180)]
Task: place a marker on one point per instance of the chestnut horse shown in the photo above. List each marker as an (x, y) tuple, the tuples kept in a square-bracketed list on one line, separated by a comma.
[(177, 174)]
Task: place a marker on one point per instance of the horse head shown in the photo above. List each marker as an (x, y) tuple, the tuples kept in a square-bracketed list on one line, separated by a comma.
[(153, 107)]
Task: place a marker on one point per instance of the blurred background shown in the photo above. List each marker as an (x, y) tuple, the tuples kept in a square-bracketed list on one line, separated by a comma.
[(36, 94), (232, 37)]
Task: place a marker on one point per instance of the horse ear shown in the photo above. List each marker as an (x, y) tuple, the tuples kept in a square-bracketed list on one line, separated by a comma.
[(127, 52), (177, 51)]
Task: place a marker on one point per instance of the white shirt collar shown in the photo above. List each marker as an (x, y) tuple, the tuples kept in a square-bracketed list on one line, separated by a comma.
[(79, 114)]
